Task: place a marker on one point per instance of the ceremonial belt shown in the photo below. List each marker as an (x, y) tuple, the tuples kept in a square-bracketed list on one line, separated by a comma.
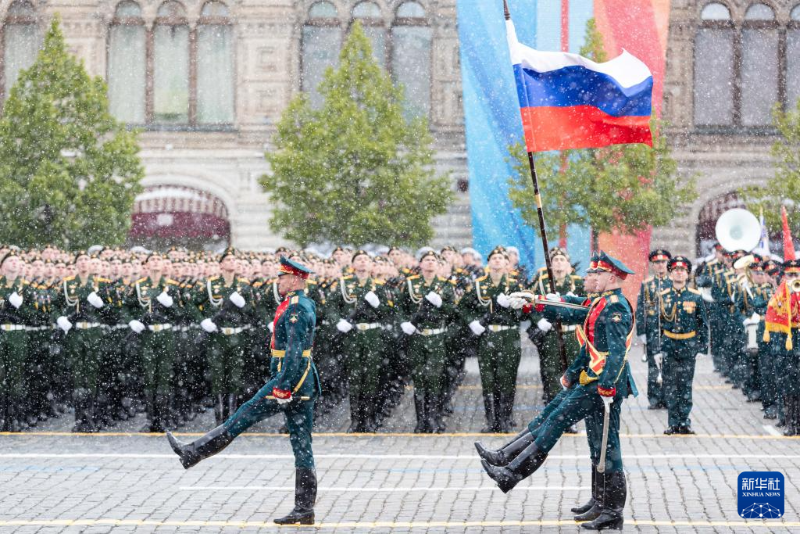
[(281, 353), (12, 327), (432, 331), (367, 326), (86, 326), (569, 328), (118, 327), (159, 327), (673, 335), (499, 327), (229, 331), (38, 328)]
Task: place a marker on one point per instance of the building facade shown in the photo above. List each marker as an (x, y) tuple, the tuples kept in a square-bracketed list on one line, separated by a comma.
[(206, 82)]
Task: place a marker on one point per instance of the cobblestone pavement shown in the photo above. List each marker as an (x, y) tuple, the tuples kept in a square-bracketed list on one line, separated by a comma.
[(395, 481)]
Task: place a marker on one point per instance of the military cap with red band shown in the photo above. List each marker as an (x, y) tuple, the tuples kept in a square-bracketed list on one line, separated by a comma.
[(659, 254), (613, 265), (288, 266), (679, 262)]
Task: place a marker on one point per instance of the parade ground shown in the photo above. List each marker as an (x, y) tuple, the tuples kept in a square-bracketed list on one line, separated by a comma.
[(396, 481)]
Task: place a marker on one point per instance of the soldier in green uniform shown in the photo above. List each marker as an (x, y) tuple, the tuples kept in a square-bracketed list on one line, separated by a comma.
[(157, 313), (14, 310), (486, 308), (685, 336), (708, 280), (227, 301), (292, 390), (541, 331), (81, 302), (648, 324), (598, 381), (425, 305), (359, 308), (39, 370), (770, 271)]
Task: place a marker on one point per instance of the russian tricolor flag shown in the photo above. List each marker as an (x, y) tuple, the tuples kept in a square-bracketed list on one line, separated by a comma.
[(568, 101)]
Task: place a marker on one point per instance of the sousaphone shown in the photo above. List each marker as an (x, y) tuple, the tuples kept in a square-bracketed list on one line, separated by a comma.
[(738, 229)]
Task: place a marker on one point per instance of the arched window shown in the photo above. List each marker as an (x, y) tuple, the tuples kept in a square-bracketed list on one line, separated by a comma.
[(21, 42), (714, 87), (793, 59), (322, 40), (127, 64), (715, 11), (411, 57), (369, 15), (759, 66), (171, 65), (215, 77)]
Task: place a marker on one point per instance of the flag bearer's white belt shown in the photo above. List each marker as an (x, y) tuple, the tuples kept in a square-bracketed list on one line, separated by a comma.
[(12, 327), (499, 327), (673, 335), (159, 327), (281, 353), (85, 326), (367, 326), (226, 331), (569, 328), (432, 331), (37, 328)]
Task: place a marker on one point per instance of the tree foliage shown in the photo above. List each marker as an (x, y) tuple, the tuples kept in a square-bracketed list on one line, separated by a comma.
[(622, 187), (69, 172), (356, 170)]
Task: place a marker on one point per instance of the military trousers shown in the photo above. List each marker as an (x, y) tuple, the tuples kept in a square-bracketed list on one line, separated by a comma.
[(158, 361), (84, 354), (655, 391), (299, 415), (579, 403), (550, 360), (226, 362), (767, 372), (679, 365), (364, 350), (427, 356), (13, 354), (499, 354)]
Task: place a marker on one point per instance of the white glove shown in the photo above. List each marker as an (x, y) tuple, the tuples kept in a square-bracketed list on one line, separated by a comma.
[(504, 300), (659, 359), (523, 294), (208, 325), (756, 318), (571, 294), (283, 401), (372, 299), (136, 326), (554, 297), (15, 299), (747, 322), (517, 303), (701, 354), (343, 326), (164, 299), (237, 299), (477, 328), (95, 300), (607, 402), (271, 326), (408, 328), (434, 299), (707, 296), (64, 324), (544, 325), (643, 339)]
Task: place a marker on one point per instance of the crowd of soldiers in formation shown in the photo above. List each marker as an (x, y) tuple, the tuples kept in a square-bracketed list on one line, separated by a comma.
[(111, 333)]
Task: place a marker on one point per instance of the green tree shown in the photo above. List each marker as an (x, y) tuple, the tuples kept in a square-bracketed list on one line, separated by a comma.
[(355, 170), (784, 187), (622, 187), (69, 172)]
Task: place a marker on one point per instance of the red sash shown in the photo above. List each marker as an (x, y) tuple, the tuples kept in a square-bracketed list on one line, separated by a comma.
[(278, 313), (585, 336)]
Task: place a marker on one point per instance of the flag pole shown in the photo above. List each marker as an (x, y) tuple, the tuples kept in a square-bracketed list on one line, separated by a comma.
[(562, 350)]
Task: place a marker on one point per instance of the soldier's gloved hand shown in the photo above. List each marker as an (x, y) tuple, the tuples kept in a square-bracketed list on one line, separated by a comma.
[(553, 297), (344, 326), (756, 318), (282, 396), (477, 328), (707, 296), (237, 299), (136, 326), (544, 325), (643, 339), (15, 299), (571, 294), (208, 325), (64, 324), (95, 300), (516, 303), (408, 328), (165, 299), (271, 326), (504, 300), (434, 299), (372, 299)]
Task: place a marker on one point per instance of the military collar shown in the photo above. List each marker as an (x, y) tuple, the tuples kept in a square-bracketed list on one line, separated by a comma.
[(295, 293)]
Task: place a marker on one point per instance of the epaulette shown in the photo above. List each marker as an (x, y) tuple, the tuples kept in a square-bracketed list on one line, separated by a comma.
[(294, 300), (452, 281), (482, 278), (347, 277), (312, 282), (172, 282), (576, 277), (413, 277), (142, 279), (665, 291), (693, 290), (244, 281), (613, 299), (213, 278), (72, 277), (258, 284), (379, 282), (103, 280)]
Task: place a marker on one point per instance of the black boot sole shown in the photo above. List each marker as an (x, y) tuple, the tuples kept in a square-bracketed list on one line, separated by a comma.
[(305, 520), (177, 448), (616, 524)]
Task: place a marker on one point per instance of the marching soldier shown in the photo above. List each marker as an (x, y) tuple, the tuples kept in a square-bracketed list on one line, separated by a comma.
[(487, 309), (292, 390), (685, 330), (648, 323), (425, 306)]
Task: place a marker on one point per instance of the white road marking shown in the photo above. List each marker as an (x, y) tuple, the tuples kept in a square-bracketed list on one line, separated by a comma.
[(383, 490), (463, 457), (772, 431)]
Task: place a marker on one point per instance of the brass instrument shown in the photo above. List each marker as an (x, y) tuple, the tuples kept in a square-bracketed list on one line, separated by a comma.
[(793, 285), (738, 229)]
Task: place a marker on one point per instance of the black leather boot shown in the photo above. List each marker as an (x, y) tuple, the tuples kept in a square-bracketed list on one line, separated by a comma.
[(219, 408), (599, 486), (588, 506), (202, 448), (355, 414), (506, 402), (789, 411), (523, 466), (491, 416), (434, 411), (508, 452), (615, 493), (305, 494), (422, 416), (369, 413)]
